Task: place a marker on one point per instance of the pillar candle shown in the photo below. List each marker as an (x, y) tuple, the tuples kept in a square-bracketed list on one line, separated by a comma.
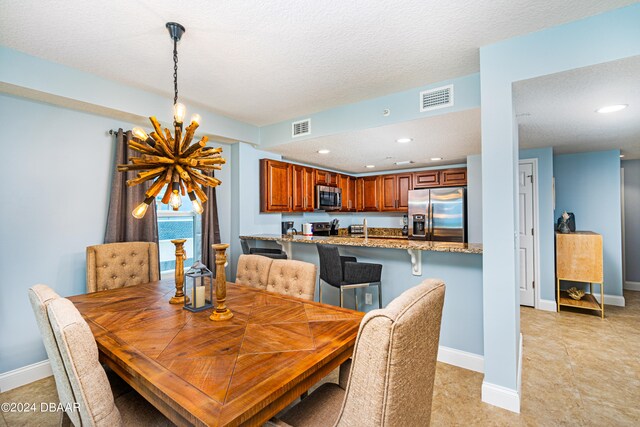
[(198, 296)]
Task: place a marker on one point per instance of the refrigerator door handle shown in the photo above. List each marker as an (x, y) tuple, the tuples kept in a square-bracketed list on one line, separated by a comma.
[(430, 221)]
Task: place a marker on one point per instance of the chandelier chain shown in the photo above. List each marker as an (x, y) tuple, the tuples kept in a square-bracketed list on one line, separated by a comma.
[(175, 72)]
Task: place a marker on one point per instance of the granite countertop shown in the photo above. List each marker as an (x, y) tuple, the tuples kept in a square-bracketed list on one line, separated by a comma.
[(374, 242)]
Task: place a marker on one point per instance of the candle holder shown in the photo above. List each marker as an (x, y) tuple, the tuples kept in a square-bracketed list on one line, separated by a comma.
[(199, 286), (179, 297), (221, 312)]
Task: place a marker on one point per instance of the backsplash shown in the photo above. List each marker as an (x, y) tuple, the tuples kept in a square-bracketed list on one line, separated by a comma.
[(374, 219)]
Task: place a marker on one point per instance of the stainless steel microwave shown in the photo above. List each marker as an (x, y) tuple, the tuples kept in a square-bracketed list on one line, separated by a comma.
[(328, 198)]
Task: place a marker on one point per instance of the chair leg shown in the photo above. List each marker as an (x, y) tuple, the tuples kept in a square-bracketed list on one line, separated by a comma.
[(379, 294), (320, 290), (341, 297)]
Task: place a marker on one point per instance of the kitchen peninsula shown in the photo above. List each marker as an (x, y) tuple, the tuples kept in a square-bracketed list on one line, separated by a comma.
[(405, 264)]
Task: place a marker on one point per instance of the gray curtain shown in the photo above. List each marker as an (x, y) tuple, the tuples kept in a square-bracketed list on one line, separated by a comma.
[(121, 225), (210, 228)]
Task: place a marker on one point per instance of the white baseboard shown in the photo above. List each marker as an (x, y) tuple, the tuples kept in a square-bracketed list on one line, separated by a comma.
[(611, 299), (501, 397), (504, 397), (631, 286), (25, 375), (462, 359), (547, 305)]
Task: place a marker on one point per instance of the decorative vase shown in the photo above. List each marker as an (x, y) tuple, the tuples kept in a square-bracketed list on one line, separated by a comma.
[(563, 227), (221, 312)]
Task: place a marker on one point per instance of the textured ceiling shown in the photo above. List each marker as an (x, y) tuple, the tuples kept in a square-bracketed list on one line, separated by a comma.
[(266, 61), (558, 110), (450, 136)]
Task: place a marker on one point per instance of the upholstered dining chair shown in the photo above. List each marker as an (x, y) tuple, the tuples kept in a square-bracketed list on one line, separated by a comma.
[(286, 277), (253, 270), (116, 265), (89, 384), (40, 296), (393, 368), (292, 278)]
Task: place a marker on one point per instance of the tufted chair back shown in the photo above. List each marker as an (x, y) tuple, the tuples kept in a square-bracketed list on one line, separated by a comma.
[(253, 270), (293, 278), (80, 357), (394, 361), (116, 265), (40, 296)]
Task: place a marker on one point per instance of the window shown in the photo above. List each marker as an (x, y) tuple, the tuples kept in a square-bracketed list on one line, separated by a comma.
[(180, 224)]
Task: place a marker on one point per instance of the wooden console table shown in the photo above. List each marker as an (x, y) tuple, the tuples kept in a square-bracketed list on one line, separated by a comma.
[(579, 259)]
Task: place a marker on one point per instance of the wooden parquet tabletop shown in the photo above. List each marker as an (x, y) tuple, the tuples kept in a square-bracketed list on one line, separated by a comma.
[(200, 372)]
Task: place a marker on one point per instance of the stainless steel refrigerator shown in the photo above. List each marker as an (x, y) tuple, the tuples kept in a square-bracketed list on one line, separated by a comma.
[(438, 214)]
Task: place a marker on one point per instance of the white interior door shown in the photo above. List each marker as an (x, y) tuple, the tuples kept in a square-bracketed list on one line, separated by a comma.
[(525, 229)]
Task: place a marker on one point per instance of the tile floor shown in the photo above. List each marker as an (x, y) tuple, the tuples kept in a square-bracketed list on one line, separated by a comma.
[(578, 370)]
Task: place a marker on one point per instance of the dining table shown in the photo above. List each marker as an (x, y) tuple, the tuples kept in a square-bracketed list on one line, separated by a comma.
[(197, 371)]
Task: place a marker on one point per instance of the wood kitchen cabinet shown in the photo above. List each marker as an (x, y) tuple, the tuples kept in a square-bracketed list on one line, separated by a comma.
[(275, 186), (394, 192), (426, 179), (327, 178), (453, 177), (302, 188), (368, 194), (440, 178), (348, 186), (404, 183)]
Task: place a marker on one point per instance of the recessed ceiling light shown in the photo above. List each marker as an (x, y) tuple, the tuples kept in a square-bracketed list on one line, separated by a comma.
[(404, 140), (370, 166), (612, 108), (621, 156), (435, 159), (323, 151), (405, 162)]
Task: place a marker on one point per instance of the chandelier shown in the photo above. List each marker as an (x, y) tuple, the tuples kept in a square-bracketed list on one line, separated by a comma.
[(172, 161)]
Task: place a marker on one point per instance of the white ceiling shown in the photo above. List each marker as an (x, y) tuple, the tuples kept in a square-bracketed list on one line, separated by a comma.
[(558, 110), (451, 136), (264, 61)]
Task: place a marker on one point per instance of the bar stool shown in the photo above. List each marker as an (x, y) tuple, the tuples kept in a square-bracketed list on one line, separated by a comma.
[(268, 252), (346, 272)]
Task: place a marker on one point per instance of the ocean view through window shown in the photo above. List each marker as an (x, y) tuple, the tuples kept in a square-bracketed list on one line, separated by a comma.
[(180, 224)]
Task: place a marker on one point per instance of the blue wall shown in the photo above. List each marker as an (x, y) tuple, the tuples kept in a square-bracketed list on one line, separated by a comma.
[(368, 114), (58, 208), (632, 219), (588, 184), (601, 38)]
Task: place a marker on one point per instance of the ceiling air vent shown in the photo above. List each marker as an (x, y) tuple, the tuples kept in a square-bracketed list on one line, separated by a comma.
[(300, 128), (440, 97)]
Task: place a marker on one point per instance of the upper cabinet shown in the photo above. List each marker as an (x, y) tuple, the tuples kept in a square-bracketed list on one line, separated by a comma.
[(394, 192), (440, 178), (275, 186), (302, 186), (348, 186), (453, 177), (286, 187), (368, 193), (327, 178)]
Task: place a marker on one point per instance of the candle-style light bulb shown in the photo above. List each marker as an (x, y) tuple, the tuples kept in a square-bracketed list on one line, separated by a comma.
[(197, 205), (175, 201), (179, 111), (196, 119), (141, 209), (140, 134)]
